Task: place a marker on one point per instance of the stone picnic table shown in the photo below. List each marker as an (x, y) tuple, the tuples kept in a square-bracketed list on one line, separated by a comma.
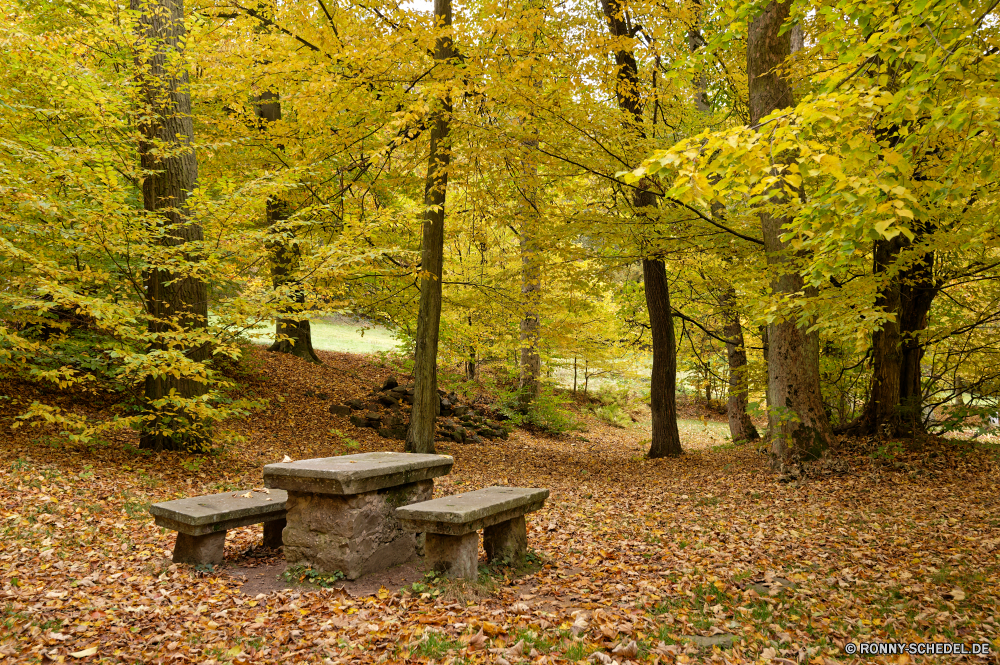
[(341, 510)]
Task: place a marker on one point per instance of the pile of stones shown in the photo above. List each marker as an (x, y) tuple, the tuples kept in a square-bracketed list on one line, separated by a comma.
[(387, 410)]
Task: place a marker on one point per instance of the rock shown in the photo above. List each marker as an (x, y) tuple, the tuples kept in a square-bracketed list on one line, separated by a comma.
[(389, 383), (355, 404), (408, 398), (393, 419), (397, 432), (373, 415), (340, 410), (388, 400), (400, 390), (359, 421), (487, 433), (460, 410)]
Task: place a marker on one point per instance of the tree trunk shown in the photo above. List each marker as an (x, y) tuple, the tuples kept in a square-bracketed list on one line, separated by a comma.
[(666, 439), (799, 426), (895, 395), (531, 283), (291, 336), (426, 402), (741, 428), (663, 379), (175, 301)]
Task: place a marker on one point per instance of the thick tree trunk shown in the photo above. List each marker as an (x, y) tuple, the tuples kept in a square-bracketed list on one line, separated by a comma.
[(799, 426), (666, 439), (174, 301), (895, 395), (663, 380), (292, 336), (741, 428), (426, 401)]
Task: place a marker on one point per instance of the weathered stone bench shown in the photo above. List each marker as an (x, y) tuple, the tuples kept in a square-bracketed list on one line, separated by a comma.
[(452, 524), (201, 522), (340, 509)]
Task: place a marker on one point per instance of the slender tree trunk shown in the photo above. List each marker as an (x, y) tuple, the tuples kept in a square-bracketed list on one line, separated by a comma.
[(292, 336), (176, 302), (426, 402), (741, 428), (799, 426), (531, 282), (663, 380), (916, 295)]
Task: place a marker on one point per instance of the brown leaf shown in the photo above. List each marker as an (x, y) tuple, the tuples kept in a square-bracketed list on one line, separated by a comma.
[(477, 641), (624, 650)]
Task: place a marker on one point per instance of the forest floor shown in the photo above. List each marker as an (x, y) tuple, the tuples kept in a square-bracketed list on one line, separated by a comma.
[(632, 559)]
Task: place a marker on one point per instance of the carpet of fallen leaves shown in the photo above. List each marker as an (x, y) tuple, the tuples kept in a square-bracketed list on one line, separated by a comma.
[(636, 556)]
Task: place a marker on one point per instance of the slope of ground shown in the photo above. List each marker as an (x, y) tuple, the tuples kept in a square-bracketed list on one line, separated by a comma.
[(903, 546)]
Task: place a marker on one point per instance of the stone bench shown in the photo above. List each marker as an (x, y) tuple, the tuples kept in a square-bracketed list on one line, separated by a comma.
[(452, 524), (341, 509), (201, 522)]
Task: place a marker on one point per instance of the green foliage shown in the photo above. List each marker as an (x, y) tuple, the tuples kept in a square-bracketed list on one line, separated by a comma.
[(304, 575), (547, 414)]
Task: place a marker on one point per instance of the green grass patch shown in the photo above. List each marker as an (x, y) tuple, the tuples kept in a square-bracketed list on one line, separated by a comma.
[(435, 645)]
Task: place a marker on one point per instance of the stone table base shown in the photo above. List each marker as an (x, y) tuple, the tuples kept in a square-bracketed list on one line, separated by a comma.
[(506, 542), (453, 556), (272, 533), (354, 534)]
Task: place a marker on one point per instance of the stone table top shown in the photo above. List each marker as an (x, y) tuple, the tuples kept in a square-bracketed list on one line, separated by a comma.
[(470, 511), (355, 474), (215, 512)]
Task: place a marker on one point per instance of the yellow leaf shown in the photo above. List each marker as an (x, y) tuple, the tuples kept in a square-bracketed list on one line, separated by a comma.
[(90, 651)]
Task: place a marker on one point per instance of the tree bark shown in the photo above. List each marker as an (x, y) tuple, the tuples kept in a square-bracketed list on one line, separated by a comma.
[(291, 336), (426, 402), (176, 302), (895, 395), (799, 426), (663, 379), (531, 282), (666, 439), (741, 428)]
